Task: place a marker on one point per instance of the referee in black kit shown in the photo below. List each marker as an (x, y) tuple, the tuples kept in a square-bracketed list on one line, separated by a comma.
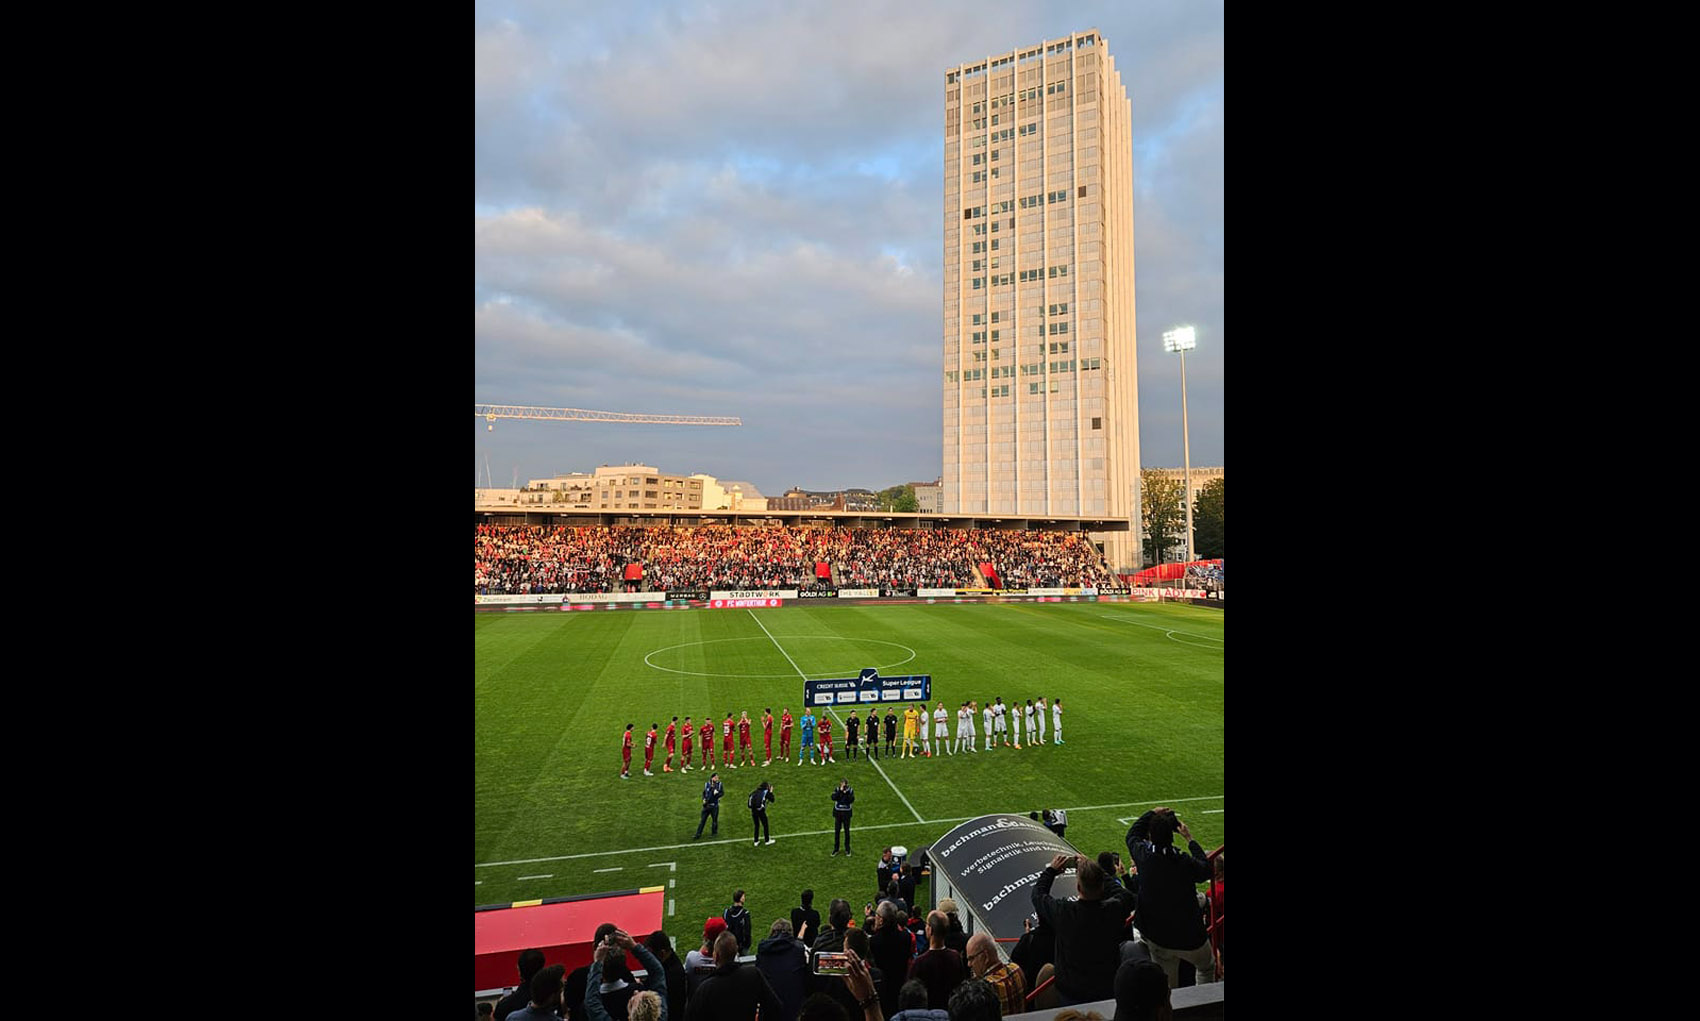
[(842, 798)]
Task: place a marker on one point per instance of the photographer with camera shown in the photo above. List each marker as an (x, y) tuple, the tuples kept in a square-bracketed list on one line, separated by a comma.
[(842, 798), (608, 967), (1168, 916)]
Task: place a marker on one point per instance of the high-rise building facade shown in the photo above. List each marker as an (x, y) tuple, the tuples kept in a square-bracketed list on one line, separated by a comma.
[(1041, 406)]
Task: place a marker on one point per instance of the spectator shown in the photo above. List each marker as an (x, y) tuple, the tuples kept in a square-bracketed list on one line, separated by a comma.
[(572, 997), (1088, 930), (735, 991), (957, 937), (545, 995), (738, 922), (1003, 976), (838, 927), (912, 1004), (678, 985), (609, 991), (805, 920), (821, 1007), (699, 963), (785, 962), (891, 949), (906, 885), (855, 943), (887, 870), (483, 1010), (530, 963), (940, 968), (1142, 992), (974, 1000), (1169, 918), (1036, 948)]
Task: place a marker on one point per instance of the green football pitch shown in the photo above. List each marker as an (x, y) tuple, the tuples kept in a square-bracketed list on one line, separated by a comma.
[(1142, 691)]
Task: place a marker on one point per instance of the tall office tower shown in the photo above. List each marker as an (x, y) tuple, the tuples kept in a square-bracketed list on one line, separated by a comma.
[(1041, 407)]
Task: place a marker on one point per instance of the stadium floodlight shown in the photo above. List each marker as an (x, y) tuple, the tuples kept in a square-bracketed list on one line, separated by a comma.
[(1180, 340)]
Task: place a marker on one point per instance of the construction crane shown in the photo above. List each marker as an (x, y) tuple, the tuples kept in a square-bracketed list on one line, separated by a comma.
[(491, 412)]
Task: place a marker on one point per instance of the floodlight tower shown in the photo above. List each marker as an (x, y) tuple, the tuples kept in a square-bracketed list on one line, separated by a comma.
[(1180, 340)]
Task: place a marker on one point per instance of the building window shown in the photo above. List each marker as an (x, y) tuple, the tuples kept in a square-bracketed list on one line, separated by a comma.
[(1060, 309)]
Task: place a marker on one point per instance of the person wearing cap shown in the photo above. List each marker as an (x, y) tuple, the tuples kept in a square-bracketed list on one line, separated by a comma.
[(699, 963), (1169, 918)]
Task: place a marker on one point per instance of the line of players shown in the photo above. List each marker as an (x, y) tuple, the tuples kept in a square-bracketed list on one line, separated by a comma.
[(1000, 722)]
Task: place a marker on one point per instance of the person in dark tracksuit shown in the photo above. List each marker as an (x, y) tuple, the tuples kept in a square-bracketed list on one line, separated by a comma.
[(872, 739), (712, 792), (890, 732), (758, 810), (842, 798)]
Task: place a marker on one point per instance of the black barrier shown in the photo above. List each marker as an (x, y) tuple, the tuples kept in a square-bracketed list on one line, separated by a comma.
[(989, 865)]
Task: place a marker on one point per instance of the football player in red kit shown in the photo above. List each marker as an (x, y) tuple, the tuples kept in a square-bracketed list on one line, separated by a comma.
[(626, 755), (785, 735), (706, 734), (746, 747), (689, 732), (767, 733), (649, 749), (672, 732), (728, 757), (823, 737)]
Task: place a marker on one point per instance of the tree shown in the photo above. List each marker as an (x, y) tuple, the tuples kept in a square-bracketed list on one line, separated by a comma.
[(900, 498), (1162, 516), (1209, 539)]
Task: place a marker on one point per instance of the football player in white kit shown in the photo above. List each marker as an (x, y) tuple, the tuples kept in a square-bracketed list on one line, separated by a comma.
[(941, 728), (1015, 722), (1032, 735), (1056, 721), (964, 727), (1040, 716), (1000, 724), (986, 717)]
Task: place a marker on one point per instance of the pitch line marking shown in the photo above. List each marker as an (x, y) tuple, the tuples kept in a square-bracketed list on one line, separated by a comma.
[(669, 907), (1213, 811), (713, 641), (1169, 633), (832, 710), (814, 833), (550, 875), (614, 869)]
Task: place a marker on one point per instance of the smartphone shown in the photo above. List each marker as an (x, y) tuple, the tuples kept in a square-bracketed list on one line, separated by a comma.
[(828, 963)]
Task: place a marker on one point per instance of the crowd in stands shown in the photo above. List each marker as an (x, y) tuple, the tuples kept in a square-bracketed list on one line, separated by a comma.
[(1209, 577), (534, 559), (1128, 935)]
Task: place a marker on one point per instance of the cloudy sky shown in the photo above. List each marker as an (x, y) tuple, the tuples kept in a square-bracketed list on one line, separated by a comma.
[(736, 208)]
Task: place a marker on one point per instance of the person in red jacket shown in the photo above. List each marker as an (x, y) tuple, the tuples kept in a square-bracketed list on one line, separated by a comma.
[(746, 748), (767, 733), (706, 734), (649, 748), (626, 754), (785, 735), (672, 733), (728, 757), (685, 745)]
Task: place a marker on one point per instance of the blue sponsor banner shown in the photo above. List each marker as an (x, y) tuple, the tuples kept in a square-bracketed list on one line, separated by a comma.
[(869, 687)]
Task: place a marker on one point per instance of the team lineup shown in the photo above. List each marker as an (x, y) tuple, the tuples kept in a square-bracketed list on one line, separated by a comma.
[(1003, 724)]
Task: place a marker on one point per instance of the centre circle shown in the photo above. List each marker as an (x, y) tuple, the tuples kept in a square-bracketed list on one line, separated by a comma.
[(774, 641)]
